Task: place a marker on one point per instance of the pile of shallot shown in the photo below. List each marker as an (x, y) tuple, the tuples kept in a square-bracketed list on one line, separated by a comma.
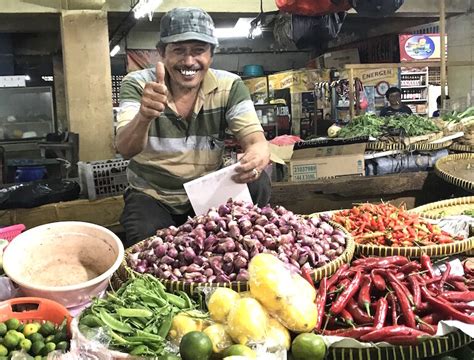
[(217, 246)]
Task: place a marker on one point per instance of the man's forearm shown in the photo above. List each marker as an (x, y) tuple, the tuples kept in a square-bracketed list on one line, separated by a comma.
[(132, 138)]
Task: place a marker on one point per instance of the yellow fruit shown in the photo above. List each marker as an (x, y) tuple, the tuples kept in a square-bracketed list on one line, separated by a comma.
[(219, 337), (306, 291), (184, 323), (247, 321), (220, 303), (278, 336), (300, 316)]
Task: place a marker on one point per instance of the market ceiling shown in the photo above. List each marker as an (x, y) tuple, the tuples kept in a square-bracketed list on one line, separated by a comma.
[(37, 16)]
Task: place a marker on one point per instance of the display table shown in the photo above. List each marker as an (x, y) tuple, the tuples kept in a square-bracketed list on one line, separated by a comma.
[(105, 212)]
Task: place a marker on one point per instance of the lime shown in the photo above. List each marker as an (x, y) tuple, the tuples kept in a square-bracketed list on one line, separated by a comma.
[(238, 350), (12, 324), (47, 328), (38, 357), (30, 329), (3, 351), (25, 344), (195, 345), (62, 345), (49, 338), (308, 346), (37, 347), (3, 329), (3, 357), (11, 340), (36, 337), (48, 347)]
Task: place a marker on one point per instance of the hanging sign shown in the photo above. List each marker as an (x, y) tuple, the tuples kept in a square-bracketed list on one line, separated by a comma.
[(372, 77), (424, 47)]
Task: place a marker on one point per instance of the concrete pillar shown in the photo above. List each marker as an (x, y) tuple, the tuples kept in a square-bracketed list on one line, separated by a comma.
[(460, 30), (59, 93), (87, 77)]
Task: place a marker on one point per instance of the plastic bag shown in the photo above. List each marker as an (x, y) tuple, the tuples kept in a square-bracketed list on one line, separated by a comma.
[(376, 8), (37, 193), (315, 32), (286, 295), (7, 289), (312, 7)]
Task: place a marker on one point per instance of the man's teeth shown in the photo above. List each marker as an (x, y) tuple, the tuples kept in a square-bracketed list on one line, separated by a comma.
[(188, 72)]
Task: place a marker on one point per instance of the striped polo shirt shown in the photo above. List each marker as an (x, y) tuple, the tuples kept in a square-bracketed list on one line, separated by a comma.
[(180, 150)]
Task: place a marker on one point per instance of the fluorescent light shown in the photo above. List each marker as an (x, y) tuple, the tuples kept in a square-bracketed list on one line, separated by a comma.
[(115, 50), (146, 7), (27, 77), (241, 29)]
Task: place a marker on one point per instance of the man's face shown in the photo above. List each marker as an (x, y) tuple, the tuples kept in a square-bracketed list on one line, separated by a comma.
[(187, 62), (394, 98)]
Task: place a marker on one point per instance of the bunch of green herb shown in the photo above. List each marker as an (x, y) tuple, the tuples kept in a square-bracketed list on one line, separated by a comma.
[(364, 125)]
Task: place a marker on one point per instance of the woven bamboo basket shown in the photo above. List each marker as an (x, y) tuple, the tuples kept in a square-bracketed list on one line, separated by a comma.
[(431, 347), (124, 271), (458, 247), (455, 169), (440, 209), (461, 148)]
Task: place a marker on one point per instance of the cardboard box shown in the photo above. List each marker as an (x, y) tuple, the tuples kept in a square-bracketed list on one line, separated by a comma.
[(338, 59), (322, 162)]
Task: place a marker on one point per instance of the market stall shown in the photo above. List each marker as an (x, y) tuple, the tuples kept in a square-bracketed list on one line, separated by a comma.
[(240, 280)]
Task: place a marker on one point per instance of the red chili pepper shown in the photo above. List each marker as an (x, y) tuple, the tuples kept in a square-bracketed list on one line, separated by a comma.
[(433, 318), (380, 313), (415, 288), (305, 274), (392, 278), (378, 279), (424, 307), (390, 331), (427, 265), (405, 307), (430, 329), (393, 308), (406, 339), (347, 317), (457, 296), (445, 275), (381, 262), (341, 302), (335, 277), (364, 294), (358, 314), (442, 305), (412, 266), (321, 302), (456, 278), (459, 286), (350, 333), (464, 307)]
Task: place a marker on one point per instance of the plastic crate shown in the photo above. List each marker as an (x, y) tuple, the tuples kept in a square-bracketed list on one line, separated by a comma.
[(10, 232), (104, 178), (34, 309)]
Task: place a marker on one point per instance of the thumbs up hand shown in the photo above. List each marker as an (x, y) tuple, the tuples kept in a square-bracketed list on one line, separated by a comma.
[(155, 95)]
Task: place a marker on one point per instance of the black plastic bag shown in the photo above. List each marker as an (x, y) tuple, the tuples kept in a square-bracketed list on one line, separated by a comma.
[(37, 193), (316, 31), (376, 8)]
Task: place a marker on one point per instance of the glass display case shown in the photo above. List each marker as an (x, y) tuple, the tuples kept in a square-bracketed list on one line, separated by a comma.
[(26, 113)]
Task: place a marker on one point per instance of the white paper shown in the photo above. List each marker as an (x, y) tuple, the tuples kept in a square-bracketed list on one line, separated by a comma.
[(215, 189)]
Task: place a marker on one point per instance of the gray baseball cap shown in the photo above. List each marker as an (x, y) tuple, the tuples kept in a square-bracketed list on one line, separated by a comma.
[(183, 24)]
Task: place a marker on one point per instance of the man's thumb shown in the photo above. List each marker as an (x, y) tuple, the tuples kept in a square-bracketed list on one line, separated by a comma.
[(160, 72)]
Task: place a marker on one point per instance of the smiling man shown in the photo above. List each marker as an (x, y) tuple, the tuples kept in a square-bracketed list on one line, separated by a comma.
[(172, 122)]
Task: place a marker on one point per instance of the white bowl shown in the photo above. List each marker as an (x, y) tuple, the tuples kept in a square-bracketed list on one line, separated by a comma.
[(69, 262)]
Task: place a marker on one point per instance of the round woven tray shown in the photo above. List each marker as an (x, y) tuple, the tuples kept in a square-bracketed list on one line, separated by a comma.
[(440, 209), (458, 247), (423, 146), (456, 169), (123, 272), (428, 348), (461, 148)]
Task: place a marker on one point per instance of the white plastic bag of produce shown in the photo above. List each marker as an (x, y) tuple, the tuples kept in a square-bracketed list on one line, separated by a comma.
[(7, 290)]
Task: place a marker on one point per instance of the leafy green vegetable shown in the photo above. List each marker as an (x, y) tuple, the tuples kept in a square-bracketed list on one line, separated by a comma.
[(375, 126)]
